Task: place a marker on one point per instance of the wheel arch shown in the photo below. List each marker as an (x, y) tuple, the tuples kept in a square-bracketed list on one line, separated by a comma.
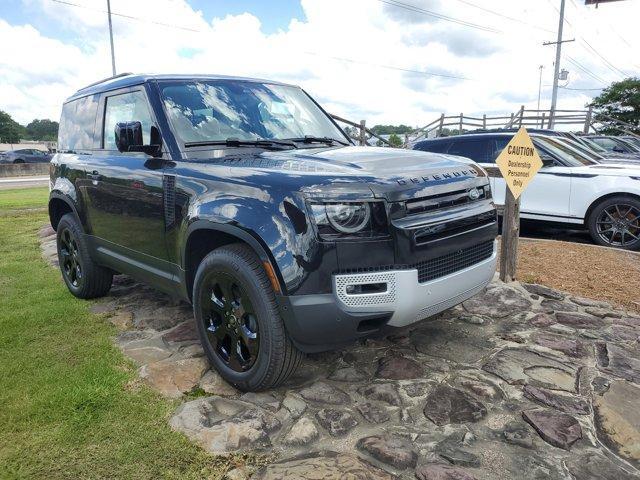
[(602, 198), (204, 236), (59, 205)]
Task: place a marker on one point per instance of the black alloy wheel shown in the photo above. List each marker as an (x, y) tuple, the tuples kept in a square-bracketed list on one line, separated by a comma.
[(70, 258), (618, 225), (82, 275), (238, 320), (230, 321)]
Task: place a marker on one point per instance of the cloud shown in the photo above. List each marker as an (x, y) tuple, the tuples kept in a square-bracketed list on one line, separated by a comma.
[(352, 56), (412, 15)]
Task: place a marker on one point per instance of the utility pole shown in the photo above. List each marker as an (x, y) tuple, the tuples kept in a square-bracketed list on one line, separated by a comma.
[(113, 55), (556, 73), (540, 86)]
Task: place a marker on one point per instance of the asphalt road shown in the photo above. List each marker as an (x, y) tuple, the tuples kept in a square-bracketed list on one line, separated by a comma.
[(23, 182), (541, 230)]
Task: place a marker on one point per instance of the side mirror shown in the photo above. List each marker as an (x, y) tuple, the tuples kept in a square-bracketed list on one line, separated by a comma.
[(618, 149), (129, 139), (128, 135), (547, 160)]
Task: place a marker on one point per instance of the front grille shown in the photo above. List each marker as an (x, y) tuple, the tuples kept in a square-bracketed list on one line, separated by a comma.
[(437, 267), (445, 200), (454, 261)]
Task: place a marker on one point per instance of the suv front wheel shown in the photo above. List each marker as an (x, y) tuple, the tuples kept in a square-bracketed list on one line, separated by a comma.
[(615, 222), (238, 321)]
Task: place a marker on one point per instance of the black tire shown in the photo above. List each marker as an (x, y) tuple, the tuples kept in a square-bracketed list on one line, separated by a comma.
[(18, 160), (84, 278), (236, 269), (615, 222)]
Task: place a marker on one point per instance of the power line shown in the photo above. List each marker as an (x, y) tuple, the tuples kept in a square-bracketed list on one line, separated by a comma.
[(582, 89), (130, 17), (391, 67), (610, 27), (612, 66), (342, 59), (440, 16), (606, 62), (513, 19), (584, 69)]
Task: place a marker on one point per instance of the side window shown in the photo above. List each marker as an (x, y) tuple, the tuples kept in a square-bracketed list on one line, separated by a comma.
[(432, 146), (77, 124), (126, 107), (499, 144), (477, 149)]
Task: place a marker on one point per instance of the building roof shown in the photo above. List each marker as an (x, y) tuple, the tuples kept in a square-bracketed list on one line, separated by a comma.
[(131, 79)]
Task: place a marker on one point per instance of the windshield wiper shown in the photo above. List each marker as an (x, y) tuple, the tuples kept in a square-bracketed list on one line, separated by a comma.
[(312, 139), (236, 142)]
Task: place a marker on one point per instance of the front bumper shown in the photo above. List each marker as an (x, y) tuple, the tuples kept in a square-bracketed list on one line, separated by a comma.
[(325, 321)]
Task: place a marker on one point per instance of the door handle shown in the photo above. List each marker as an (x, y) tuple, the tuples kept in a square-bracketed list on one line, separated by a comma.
[(95, 176)]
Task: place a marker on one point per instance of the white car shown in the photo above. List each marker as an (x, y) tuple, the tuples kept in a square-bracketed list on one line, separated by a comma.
[(569, 189)]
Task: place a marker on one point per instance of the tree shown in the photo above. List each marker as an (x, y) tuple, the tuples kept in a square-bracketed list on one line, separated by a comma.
[(395, 140), (389, 129), (620, 101), (10, 130), (44, 129)]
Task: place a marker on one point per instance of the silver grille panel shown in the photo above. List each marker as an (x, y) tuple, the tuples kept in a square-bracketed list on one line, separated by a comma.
[(361, 300)]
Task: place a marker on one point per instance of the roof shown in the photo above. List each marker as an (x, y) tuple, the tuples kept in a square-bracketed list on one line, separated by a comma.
[(131, 79), (484, 134)]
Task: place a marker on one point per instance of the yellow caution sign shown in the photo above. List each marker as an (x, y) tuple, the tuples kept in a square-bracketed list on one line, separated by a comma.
[(519, 162)]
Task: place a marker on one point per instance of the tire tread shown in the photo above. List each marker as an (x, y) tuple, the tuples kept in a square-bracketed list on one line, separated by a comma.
[(286, 357)]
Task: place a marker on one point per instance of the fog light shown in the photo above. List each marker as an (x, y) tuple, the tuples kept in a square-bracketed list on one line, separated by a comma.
[(365, 288)]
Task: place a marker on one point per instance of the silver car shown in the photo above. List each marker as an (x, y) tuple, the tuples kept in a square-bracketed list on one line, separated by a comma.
[(25, 155)]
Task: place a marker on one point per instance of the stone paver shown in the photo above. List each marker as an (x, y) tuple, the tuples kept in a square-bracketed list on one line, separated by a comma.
[(521, 381)]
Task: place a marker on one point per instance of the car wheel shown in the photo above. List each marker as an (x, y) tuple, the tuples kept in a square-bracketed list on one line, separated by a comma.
[(238, 321), (18, 160), (615, 222), (83, 277)]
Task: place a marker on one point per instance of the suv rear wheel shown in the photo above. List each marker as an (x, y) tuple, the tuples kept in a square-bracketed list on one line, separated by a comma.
[(238, 321), (615, 222), (84, 277)]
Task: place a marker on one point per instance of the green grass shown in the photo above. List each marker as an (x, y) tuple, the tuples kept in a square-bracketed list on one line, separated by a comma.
[(23, 198), (67, 408)]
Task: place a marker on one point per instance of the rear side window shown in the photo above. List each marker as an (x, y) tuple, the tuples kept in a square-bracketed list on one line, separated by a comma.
[(126, 107), (435, 147), (477, 149), (77, 124)]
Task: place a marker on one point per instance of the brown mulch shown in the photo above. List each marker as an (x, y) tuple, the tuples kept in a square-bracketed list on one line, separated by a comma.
[(583, 270)]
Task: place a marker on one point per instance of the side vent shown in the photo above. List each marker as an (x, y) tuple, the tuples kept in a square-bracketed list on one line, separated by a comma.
[(169, 192)]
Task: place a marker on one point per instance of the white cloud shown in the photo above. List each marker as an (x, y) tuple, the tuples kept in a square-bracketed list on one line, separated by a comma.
[(38, 72)]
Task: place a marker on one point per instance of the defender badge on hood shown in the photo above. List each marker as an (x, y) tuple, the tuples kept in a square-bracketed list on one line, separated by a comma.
[(436, 177)]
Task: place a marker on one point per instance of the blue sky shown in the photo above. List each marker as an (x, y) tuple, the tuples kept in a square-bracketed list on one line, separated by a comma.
[(274, 15)]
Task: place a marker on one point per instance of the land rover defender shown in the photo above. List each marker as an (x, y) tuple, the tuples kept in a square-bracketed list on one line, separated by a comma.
[(246, 199)]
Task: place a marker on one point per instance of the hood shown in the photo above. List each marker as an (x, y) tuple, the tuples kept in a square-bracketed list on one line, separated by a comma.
[(631, 162), (390, 173)]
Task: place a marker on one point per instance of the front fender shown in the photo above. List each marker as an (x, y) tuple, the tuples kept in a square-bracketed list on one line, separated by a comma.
[(279, 230)]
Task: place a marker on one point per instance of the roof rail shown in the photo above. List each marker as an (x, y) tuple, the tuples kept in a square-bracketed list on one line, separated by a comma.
[(104, 80)]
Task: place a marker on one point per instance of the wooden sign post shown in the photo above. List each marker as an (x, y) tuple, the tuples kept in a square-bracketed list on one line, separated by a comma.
[(518, 163)]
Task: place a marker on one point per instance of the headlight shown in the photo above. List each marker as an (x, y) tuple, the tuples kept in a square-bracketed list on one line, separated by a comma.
[(336, 221), (348, 217)]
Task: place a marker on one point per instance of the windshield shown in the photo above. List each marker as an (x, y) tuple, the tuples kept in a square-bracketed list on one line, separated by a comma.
[(612, 144), (581, 149), (593, 145), (217, 110), (567, 154)]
